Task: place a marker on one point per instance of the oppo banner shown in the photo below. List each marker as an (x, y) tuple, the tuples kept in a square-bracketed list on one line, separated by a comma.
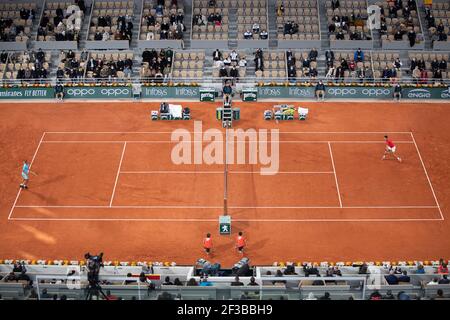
[(97, 92)]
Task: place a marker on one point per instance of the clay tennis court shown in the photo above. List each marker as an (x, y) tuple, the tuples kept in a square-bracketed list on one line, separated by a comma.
[(106, 182)]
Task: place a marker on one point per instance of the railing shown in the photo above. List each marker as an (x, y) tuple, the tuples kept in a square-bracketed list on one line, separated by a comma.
[(288, 287), (77, 287)]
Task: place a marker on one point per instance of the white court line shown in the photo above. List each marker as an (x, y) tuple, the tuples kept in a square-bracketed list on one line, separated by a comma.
[(281, 132), (215, 220), (221, 207), (428, 178), (31, 164), (335, 176), (221, 172), (118, 173), (232, 141)]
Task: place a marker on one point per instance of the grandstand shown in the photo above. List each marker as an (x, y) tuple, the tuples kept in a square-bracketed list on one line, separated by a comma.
[(289, 282), (131, 57)]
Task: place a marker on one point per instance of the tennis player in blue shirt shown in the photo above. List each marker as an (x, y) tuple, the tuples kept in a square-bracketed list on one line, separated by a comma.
[(25, 172)]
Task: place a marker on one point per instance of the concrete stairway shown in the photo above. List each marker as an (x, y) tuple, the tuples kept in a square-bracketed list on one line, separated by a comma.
[(187, 23), (272, 24), (424, 24), (232, 29), (325, 40)]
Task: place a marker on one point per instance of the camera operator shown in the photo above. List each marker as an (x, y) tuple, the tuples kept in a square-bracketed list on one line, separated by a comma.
[(93, 263)]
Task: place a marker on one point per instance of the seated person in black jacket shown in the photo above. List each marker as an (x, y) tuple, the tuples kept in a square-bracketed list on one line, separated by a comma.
[(320, 90)]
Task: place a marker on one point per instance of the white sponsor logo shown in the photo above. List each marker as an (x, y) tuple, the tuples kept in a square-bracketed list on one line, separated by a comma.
[(156, 92), (208, 147), (78, 92), (115, 91), (342, 91), (419, 93), (446, 94), (271, 92), (185, 92), (298, 92), (376, 92)]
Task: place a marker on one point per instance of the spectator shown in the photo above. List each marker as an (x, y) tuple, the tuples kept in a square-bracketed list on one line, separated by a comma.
[(420, 269), (318, 282), (278, 274), (223, 72), (326, 296), (217, 55), (44, 294), (310, 296), (234, 72), (391, 279), (359, 55), (177, 282), (255, 27), (368, 74), (389, 296), (248, 34), (403, 296), (253, 282), (263, 35), (144, 279), (204, 282), (313, 54), (330, 72), (236, 282), (433, 282), (280, 10), (404, 277), (335, 4), (440, 295), (423, 77), (412, 38), (397, 64), (167, 282), (127, 282), (242, 62), (442, 269), (191, 283), (444, 280), (375, 295)]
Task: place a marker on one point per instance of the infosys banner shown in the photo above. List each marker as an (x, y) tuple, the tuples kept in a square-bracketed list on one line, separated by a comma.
[(170, 93), (285, 92), (26, 93), (97, 92)]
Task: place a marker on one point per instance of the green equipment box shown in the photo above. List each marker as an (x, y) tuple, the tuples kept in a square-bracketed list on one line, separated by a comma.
[(207, 94), (249, 94)]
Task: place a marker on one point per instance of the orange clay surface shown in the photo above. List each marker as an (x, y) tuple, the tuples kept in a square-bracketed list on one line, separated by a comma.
[(333, 199)]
